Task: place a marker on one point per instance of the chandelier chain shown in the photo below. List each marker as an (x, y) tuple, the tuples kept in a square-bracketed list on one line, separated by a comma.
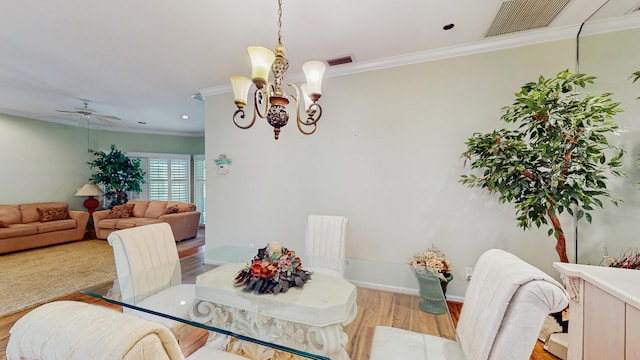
[(279, 21)]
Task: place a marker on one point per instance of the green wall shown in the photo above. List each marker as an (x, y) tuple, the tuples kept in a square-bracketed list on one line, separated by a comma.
[(43, 161)]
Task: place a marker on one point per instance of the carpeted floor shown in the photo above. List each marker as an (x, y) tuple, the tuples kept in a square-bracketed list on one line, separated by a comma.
[(34, 277)]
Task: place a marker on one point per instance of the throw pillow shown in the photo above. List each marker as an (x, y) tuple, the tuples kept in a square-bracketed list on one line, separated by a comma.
[(121, 211), (3, 224), (172, 209), (53, 213)]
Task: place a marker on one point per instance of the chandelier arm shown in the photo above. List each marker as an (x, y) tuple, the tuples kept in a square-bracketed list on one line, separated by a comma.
[(240, 114), (259, 97), (299, 120)]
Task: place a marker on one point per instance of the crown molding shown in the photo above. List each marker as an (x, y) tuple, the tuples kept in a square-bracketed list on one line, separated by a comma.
[(496, 43)]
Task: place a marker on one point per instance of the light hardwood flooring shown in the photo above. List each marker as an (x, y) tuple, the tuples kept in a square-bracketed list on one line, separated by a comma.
[(375, 307)]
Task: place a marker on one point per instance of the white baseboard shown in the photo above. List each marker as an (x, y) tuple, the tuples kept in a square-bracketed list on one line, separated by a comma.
[(398, 289)]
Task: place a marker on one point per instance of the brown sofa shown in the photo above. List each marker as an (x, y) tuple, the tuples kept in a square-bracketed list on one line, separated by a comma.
[(28, 228), (183, 218)]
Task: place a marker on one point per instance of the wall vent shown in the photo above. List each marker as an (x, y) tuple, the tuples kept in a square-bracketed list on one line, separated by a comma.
[(519, 15)]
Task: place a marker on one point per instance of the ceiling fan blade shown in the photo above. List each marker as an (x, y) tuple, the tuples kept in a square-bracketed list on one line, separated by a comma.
[(67, 111), (110, 122), (109, 117)]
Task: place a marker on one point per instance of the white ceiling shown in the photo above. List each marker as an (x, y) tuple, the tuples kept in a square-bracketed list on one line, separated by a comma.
[(142, 60)]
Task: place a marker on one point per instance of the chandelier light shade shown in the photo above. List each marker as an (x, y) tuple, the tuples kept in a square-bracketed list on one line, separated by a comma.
[(270, 98)]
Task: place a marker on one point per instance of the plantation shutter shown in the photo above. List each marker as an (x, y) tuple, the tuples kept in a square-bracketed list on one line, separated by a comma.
[(167, 177), (199, 186)]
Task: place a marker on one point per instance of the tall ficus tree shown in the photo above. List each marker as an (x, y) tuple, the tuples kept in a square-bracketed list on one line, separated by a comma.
[(557, 159), (118, 174)]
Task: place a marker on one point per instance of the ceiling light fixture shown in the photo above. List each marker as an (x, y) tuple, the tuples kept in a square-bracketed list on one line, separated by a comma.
[(270, 99), (184, 117)]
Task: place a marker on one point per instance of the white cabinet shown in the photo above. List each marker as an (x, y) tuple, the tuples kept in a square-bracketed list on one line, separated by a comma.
[(604, 320)]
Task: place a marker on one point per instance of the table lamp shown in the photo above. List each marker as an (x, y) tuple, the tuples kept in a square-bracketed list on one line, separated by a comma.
[(90, 190)]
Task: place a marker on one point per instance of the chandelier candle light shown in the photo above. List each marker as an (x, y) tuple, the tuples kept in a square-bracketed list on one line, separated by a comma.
[(270, 99)]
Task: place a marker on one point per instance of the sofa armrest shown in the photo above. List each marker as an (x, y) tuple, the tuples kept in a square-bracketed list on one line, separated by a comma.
[(99, 216), (81, 218), (184, 225)]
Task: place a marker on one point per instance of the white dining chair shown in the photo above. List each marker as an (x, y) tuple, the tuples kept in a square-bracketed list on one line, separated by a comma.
[(149, 273), (74, 330), (504, 308), (325, 244)]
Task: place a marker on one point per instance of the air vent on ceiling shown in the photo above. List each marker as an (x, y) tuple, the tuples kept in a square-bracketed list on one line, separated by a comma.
[(519, 15), (340, 61)]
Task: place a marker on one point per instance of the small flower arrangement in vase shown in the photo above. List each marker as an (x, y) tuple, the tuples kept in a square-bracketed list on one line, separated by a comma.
[(434, 261), (432, 269)]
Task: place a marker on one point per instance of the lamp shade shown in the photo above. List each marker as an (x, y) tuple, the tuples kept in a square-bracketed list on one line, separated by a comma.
[(89, 190), (305, 96), (241, 87), (261, 61), (313, 71)]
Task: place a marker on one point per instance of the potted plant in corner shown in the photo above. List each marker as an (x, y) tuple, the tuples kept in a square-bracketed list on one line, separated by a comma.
[(433, 271), (557, 159), (117, 173)]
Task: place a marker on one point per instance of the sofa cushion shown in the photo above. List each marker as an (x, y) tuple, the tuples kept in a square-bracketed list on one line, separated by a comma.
[(171, 209), (121, 211), (45, 227), (133, 222), (108, 224), (10, 214), (156, 209), (53, 213), (140, 207), (18, 230), (3, 224), (182, 207), (30, 211)]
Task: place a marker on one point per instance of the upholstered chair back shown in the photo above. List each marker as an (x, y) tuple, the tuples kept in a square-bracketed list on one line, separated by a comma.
[(325, 243), (146, 260), (505, 306)]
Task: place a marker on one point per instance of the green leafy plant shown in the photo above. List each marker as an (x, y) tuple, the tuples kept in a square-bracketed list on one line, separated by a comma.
[(117, 173), (557, 159)]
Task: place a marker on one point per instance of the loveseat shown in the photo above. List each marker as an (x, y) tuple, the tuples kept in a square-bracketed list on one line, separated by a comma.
[(183, 218), (28, 226)]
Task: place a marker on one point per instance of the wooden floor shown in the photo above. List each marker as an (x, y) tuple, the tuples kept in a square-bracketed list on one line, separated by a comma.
[(375, 307)]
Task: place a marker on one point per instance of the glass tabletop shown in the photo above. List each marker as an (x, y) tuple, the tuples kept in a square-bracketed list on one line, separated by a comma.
[(316, 321)]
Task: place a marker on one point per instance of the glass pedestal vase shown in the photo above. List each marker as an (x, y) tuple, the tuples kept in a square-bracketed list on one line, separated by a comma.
[(433, 291)]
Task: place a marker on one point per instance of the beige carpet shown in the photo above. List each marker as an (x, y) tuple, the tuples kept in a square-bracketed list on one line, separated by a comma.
[(33, 277)]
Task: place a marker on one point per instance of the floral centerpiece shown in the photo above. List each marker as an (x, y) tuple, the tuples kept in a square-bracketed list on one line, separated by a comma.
[(432, 260), (273, 270), (627, 260)]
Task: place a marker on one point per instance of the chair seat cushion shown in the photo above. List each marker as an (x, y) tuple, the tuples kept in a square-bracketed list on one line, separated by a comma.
[(393, 343)]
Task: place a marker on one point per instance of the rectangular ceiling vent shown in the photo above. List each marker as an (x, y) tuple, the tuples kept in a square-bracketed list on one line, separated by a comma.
[(340, 61), (519, 15)]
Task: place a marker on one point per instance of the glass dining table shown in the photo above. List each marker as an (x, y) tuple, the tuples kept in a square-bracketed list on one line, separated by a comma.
[(329, 317)]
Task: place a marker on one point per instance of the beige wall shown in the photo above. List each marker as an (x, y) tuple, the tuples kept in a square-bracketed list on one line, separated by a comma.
[(387, 155), (44, 161)]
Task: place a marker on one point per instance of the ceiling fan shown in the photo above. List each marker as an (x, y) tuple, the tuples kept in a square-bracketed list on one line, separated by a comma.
[(87, 113)]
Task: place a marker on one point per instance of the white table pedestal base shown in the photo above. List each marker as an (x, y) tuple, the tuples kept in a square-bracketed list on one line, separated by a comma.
[(330, 341)]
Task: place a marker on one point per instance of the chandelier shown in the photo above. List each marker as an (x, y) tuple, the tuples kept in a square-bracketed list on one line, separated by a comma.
[(270, 98)]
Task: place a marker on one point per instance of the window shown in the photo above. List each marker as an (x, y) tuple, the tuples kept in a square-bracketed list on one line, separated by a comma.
[(199, 186), (167, 176)]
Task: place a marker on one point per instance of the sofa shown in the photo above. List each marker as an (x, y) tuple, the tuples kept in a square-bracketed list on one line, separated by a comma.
[(33, 225), (183, 218)]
